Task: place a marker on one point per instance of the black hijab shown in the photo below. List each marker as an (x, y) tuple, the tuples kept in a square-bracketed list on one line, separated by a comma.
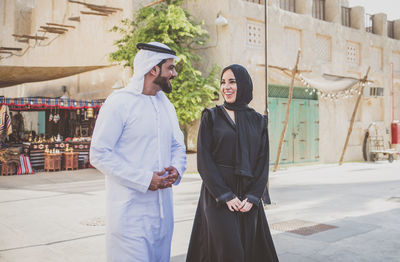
[(244, 95)]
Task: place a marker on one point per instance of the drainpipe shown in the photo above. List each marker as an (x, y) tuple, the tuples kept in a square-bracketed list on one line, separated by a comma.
[(266, 56), (392, 92)]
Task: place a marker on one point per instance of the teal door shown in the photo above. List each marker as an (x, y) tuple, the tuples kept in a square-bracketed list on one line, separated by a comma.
[(301, 141), (41, 122)]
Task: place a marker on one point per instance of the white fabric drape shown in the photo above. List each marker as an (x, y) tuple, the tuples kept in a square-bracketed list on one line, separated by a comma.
[(329, 83)]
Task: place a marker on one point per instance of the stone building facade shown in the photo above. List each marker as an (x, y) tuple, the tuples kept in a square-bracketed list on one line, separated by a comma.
[(334, 38)]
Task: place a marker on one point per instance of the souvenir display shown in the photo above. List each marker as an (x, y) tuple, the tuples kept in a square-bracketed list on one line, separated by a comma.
[(59, 135)]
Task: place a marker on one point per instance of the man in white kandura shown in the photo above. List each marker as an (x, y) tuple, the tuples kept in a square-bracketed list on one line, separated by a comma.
[(139, 147)]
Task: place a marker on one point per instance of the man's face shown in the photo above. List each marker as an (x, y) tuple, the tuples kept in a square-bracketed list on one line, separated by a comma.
[(167, 73)]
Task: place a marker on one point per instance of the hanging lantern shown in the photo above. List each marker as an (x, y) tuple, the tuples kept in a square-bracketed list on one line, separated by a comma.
[(90, 113)]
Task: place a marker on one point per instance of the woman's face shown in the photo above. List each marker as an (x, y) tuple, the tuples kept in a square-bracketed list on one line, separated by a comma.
[(228, 86)]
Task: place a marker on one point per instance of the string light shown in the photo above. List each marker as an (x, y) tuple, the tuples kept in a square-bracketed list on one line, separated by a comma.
[(334, 96)]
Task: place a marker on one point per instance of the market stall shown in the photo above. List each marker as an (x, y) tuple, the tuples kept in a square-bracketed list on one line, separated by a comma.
[(56, 137)]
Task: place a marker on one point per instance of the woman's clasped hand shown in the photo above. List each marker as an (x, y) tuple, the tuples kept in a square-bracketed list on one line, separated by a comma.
[(237, 205)]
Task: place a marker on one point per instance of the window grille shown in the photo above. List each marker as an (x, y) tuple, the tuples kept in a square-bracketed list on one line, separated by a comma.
[(390, 29), (346, 16), (369, 23), (288, 5), (318, 9), (323, 48), (376, 91), (353, 53), (255, 34)]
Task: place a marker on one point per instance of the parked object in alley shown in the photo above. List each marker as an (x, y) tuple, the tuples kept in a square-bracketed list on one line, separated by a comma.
[(374, 148)]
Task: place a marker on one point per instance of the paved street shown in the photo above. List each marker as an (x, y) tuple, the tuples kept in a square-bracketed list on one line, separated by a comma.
[(320, 213)]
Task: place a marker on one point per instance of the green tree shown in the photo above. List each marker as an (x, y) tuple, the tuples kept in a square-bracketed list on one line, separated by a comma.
[(172, 25)]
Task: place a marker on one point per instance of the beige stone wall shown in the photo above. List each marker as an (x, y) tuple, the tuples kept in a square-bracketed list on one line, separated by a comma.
[(227, 44), (241, 41), (290, 31), (88, 44)]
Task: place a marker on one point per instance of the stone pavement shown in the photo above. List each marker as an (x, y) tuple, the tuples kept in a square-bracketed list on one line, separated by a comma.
[(319, 213)]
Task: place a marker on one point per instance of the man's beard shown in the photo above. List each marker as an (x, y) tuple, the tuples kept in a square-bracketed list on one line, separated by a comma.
[(163, 83)]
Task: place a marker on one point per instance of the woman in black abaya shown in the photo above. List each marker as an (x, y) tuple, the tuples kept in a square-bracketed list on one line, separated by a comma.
[(232, 159)]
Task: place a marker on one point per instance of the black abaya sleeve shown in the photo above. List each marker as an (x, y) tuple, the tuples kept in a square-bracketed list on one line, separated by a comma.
[(206, 165), (261, 172)]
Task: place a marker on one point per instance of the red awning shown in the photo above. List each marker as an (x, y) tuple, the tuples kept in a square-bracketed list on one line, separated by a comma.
[(41, 103)]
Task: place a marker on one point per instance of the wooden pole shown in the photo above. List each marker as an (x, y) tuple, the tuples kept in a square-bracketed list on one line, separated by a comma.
[(266, 78), (154, 3), (353, 116), (294, 72)]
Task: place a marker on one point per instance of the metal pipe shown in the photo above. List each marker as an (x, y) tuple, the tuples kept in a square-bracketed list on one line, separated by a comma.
[(392, 92), (266, 55)]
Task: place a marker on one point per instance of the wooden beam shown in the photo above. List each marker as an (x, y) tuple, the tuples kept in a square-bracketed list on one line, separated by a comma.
[(353, 116), (154, 3), (54, 28), (23, 40), (6, 52), (105, 7), (294, 72), (52, 31), (75, 18), (93, 13), (349, 77), (61, 25), (31, 37), (101, 10), (10, 48), (101, 6)]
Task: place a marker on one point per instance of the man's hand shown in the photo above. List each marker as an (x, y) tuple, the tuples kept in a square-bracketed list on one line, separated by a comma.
[(158, 181), (172, 174)]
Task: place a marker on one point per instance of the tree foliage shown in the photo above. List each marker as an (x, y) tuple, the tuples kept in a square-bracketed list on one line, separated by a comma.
[(172, 25)]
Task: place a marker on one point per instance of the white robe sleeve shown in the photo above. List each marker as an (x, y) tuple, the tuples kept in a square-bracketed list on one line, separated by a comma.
[(178, 148), (178, 159), (109, 127)]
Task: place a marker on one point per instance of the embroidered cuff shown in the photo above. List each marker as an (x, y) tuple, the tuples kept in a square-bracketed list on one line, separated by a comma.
[(225, 197), (252, 199)]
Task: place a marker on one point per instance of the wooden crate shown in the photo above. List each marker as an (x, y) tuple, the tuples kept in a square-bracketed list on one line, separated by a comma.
[(8, 168)]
